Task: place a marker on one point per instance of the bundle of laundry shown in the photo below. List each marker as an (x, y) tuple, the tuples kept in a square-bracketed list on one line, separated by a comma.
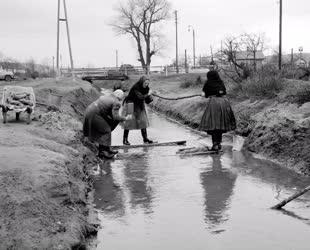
[(18, 98)]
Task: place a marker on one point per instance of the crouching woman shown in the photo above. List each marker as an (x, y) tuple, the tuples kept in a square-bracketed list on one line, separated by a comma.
[(218, 117), (101, 118)]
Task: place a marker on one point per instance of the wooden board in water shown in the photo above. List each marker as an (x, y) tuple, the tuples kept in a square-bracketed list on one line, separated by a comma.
[(196, 151), (155, 144)]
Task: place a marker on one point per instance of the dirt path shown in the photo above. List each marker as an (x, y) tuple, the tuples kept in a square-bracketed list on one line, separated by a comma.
[(43, 173)]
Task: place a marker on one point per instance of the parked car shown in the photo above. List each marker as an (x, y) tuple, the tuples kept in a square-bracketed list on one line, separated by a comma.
[(6, 75)]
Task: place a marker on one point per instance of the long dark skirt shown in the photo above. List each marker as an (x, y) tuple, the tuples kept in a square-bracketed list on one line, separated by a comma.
[(139, 121), (218, 116)]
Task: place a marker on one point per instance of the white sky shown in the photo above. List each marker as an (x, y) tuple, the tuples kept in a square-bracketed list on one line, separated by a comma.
[(28, 28)]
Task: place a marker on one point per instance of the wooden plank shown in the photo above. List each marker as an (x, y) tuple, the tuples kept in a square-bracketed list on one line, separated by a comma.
[(156, 144), (292, 197), (196, 151)]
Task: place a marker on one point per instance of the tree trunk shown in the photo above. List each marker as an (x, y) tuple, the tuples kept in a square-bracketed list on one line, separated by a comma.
[(140, 51)]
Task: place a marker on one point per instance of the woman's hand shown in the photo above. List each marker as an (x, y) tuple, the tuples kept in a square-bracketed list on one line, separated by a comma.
[(203, 94), (128, 117), (150, 92)]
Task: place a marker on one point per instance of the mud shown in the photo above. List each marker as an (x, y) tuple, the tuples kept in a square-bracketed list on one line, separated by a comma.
[(44, 171)]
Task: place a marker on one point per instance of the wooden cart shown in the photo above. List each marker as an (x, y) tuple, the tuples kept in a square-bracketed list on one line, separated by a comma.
[(26, 104)]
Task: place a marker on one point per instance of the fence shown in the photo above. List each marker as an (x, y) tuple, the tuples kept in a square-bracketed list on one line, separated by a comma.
[(131, 70)]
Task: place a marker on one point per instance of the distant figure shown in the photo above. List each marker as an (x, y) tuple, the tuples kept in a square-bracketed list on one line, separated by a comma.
[(218, 117), (138, 95), (101, 118)]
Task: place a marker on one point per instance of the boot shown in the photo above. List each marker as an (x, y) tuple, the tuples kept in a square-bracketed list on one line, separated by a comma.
[(103, 152), (111, 151), (215, 145), (144, 135), (125, 137)]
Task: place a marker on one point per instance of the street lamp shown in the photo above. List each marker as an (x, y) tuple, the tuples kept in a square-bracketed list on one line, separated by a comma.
[(194, 57)]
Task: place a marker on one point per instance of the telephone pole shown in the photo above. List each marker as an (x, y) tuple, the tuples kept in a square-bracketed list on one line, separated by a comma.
[(194, 44), (186, 67), (280, 35), (116, 58), (68, 37), (176, 42)]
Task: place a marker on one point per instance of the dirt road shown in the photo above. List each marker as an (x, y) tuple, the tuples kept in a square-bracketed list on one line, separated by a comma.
[(43, 174)]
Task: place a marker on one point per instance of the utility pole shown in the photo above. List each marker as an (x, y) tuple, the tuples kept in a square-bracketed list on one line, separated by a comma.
[(176, 42), (116, 55), (292, 57), (186, 68), (68, 37), (53, 64), (194, 44), (280, 35), (57, 51)]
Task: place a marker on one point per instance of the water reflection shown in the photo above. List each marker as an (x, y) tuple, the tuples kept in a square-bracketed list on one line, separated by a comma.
[(218, 184), (137, 182), (109, 196)]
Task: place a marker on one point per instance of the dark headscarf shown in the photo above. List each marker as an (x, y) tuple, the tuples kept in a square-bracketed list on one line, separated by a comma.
[(214, 84), (138, 86)]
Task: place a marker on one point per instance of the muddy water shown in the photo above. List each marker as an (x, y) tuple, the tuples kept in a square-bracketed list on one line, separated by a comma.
[(154, 199)]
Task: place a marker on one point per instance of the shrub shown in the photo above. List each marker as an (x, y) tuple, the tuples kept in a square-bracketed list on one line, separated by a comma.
[(267, 83), (198, 82)]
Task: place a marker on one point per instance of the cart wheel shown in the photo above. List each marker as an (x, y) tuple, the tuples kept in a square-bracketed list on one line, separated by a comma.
[(4, 114), (17, 116)]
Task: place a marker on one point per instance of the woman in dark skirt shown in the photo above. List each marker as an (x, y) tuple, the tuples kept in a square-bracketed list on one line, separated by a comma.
[(138, 95), (218, 117)]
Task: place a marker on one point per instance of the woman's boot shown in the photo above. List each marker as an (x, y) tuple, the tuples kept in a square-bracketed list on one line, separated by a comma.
[(125, 137), (215, 146), (144, 135), (103, 152)]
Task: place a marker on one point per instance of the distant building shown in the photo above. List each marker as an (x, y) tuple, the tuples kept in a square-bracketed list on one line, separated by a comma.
[(247, 57), (300, 62)]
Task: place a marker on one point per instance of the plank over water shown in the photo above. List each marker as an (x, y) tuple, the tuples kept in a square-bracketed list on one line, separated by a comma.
[(156, 144), (196, 151)]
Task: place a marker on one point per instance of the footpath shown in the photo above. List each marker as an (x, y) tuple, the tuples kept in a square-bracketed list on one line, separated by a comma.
[(44, 167)]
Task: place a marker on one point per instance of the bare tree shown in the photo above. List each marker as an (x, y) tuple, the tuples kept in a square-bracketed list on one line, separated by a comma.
[(140, 19), (235, 45), (253, 43)]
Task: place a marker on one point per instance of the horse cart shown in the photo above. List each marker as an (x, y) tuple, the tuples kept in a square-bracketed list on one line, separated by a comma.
[(18, 99)]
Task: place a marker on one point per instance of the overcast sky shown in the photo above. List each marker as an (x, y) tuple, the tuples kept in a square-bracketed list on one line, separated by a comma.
[(28, 28)]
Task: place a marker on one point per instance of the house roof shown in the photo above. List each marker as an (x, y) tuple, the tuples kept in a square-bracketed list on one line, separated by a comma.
[(249, 55)]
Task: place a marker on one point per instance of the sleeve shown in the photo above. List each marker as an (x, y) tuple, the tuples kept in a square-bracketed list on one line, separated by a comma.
[(116, 112), (204, 89), (139, 95)]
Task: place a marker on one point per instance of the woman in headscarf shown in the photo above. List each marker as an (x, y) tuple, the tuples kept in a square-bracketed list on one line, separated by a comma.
[(138, 95), (218, 117), (101, 118)]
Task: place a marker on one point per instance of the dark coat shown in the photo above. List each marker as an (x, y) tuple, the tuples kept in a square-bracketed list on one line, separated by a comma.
[(214, 85), (138, 95), (218, 114)]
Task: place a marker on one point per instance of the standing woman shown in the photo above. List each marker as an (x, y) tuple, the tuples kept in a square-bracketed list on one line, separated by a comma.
[(218, 117), (138, 95)]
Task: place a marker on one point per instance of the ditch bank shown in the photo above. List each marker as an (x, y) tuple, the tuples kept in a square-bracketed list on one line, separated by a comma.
[(44, 171)]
